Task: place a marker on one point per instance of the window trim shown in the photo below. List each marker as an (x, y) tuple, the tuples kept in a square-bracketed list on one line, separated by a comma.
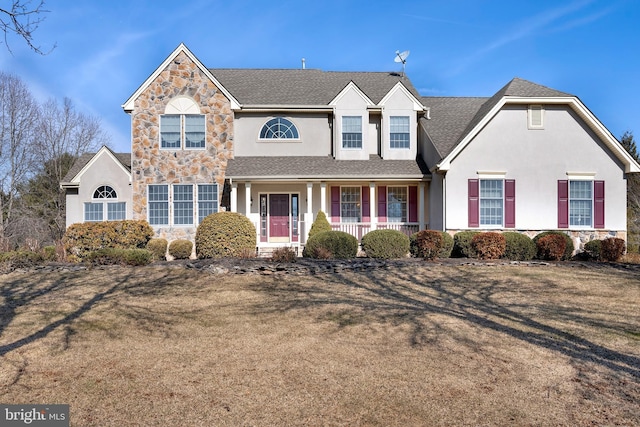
[(195, 203), (110, 198), (358, 203), (183, 132), (502, 201), (293, 126), (408, 133), (342, 133)]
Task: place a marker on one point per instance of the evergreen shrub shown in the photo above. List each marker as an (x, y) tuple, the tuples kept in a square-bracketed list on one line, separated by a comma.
[(612, 249), (568, 251), (338, 244), (320, 224), (519, 247), (158, 247), (180, 249), (225, 234), (385, 244), (83, 238), (551, 247), (428, 243), (462, 244)]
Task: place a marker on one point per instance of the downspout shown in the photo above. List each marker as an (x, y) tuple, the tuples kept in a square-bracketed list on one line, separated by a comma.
[(444, 201)]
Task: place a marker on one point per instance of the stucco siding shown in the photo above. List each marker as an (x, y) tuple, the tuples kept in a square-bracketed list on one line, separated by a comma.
[(399, 104), (536, 160)]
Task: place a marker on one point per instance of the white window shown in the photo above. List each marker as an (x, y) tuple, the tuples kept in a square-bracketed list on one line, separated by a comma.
[(182, 131), (279, 128), (350, 204), (207, 200), (351, 132), (397, 204), (399, 136), (158, 200), (181, 204), (580, 203), (491, 202), (103, 196), (536, 117)]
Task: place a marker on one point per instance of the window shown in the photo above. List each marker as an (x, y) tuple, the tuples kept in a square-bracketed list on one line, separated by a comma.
[(207, 200), (158, 204), (182, 204), (399, 128), (351, 132), (279, 128), (182, 130), (536, 117), (185, 202), (104, 195), (350, 204), (491, 206), (580, 203), (492, 203), (397, 204)]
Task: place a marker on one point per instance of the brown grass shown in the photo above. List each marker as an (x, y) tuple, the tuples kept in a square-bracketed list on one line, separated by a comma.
[(422, 344)]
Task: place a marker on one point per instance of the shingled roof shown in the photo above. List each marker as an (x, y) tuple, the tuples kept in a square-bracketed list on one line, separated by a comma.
[(451, 119), (304, 86)]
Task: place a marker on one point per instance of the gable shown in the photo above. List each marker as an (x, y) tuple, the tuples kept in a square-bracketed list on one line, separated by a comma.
[(351, 97), (399, 98), (119, 163)]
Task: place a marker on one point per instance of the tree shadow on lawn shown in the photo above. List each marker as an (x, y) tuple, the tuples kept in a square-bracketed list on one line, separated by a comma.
[(464, 294)]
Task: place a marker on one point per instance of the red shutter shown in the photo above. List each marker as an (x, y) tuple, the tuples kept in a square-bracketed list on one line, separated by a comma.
[(598, 204), (413, 204), (474, 203), (366, 207), (563, 204), (382, 204), (335, 204), (510, 203)]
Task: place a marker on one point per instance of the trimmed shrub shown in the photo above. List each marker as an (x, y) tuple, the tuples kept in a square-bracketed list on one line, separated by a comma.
[(462, 244), (592, 249), (551, 247), (447, 245), (519, 247), (225, 234), (612, 249), (115, 256), (21, 259), (338, 244), (385, 244), (284, 254), (568, 251), (83, 238), (158, 247), (180, 249), (428, 243), (489, 245), (320, 224)]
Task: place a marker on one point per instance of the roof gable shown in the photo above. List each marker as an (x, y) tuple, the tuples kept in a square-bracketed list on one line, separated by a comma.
[(400, 88), (86, 160), (351, 88)]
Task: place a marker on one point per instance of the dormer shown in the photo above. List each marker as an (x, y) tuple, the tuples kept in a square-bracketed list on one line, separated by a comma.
[(352, 136), (400, 109)]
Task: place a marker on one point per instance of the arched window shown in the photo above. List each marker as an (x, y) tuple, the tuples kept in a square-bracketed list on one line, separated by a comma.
[(279, 128), (105, 200), (105, 192), (182, 126)]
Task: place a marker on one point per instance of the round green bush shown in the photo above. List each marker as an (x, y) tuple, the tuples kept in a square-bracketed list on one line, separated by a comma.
[(592, 249), (180, 249), (158, 247), (331, 244), (319, 225), (462, 245), (568, 251), (225, 234), (447, 245), (519, 247), (385, 244)]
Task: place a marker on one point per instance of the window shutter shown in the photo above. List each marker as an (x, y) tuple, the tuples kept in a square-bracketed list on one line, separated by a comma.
[(413, 204), (335, 204), (382, 204), (510, 203), (366, 206), (474, 203), (563, 204), (598, 204)]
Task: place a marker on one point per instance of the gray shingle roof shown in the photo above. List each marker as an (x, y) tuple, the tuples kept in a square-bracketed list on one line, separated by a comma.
[(453, 118), (316, 167), (303, 86), (124, 158)]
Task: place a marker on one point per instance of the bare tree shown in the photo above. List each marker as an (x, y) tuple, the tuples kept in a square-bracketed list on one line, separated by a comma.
[(18, 113), (23, 20)]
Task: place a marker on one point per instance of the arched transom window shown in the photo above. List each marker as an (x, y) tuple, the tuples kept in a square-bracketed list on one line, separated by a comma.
[(105, 192), (279, 128), (105, 206)]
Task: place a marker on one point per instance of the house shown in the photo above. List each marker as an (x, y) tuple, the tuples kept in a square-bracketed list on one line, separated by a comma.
[(364, 147)]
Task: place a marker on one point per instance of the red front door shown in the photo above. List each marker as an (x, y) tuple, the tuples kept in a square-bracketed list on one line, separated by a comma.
[(279, 215)]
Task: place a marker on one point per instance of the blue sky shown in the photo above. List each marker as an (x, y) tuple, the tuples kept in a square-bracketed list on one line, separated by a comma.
[(106, 49)]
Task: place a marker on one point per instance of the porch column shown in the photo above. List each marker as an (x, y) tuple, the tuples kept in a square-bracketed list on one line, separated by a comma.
[(373, 206), (247, 199), (234, 197), (323, 198), (421, 206), (308, 217)]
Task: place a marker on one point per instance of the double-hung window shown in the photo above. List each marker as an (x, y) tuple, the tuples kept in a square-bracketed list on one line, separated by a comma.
[(207, 200), (399, 136), (581, 202), (492, 202), (158, 199), (397, 200), (181, 204), (182, 131), (350, 204), (105, 199), (352, 132)]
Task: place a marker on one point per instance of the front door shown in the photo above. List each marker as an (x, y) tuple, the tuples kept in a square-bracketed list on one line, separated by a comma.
[(279, 217)]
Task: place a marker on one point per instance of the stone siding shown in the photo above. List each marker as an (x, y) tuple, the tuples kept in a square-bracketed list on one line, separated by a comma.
[(150, 165)]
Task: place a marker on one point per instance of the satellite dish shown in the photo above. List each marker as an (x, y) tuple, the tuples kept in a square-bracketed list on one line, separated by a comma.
[(401, 57)]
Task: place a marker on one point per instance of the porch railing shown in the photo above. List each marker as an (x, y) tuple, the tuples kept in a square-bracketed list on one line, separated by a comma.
[(359, 229)]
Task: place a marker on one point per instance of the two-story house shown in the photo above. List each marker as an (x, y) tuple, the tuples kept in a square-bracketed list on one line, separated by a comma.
[(364, 147)]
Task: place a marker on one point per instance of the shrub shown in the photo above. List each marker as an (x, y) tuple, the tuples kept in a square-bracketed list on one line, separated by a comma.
[(21, 259), (592, 249), (337, 243), (114, 256), (462, 244), (83, 238), (568, 251), (489, 245), (225, 234), (385, 244), (447, 245), (49, 253), (519, 247), (180, 249), (320, 224), (284, 254), (158, 247), (551, 247), (428, 243), (612, 249)]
